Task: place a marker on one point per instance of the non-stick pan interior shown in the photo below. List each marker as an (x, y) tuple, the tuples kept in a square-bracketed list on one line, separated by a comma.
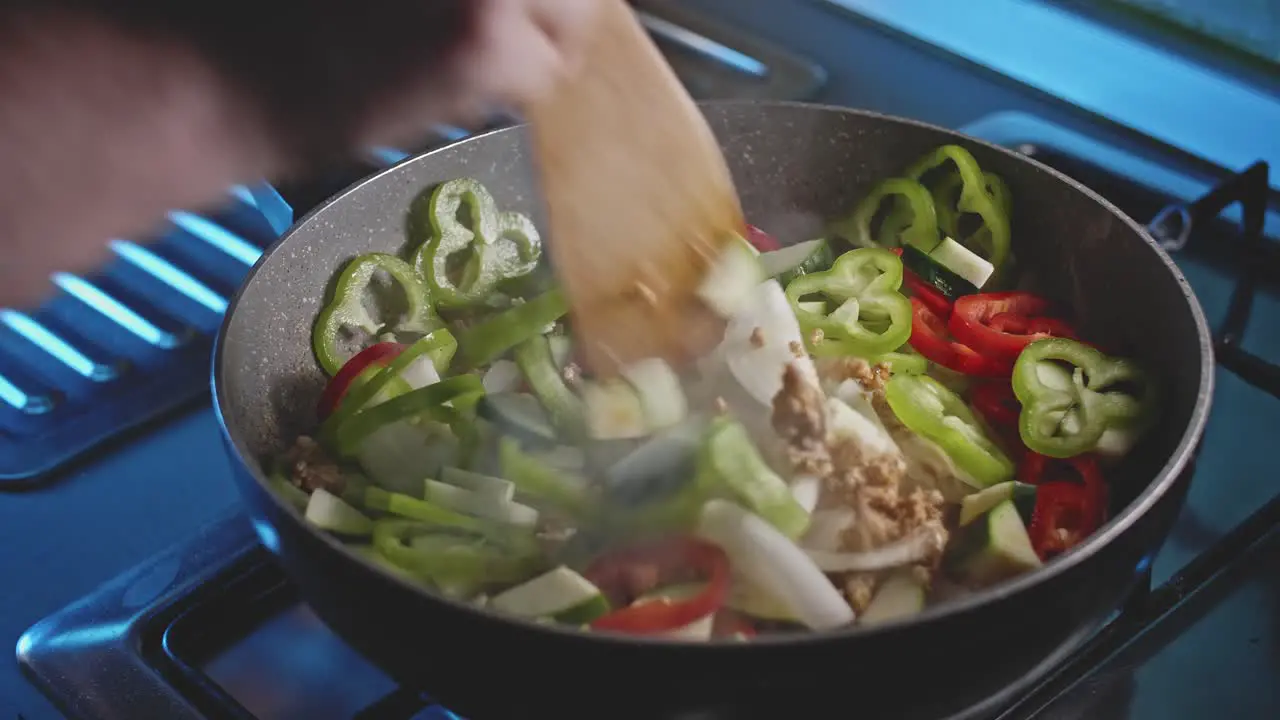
[(796, 166)]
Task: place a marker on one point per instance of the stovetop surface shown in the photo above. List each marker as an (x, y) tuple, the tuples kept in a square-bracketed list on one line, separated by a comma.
[(149, 493)]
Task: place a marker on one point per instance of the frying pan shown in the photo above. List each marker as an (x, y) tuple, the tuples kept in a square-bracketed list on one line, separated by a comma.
[(795, 166)]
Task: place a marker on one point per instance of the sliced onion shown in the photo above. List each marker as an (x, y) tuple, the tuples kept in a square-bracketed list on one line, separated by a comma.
[(420, 373), (806, 489), (866, 432), (912, 548), (502, 376), (768, 560), (758, 343), (827, 528)]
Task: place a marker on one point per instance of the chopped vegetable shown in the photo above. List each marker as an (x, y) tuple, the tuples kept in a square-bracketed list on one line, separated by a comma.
[(501, 246), (1066, 510), (329, 512), (730, 465), (1072, 393), (870, 315), (373, 356), (563, 408), (1022, 494), (346, 309), (814, 464), (925, 292), (926, 407), (761, 341), (963, 262), (901, 595), (929, 337), (519, 414), (616, 574), (478, 505), (443, 401), (991, 548), (613, 410), (486, 341), (487, 485), (451, 558), (660, 393), (503, 376), (974, 198), (788, 263), (762, 241), (947, 193), (541, 482), (935, 275), (909, 550), (996, 403), (911, 221), (729, 280), (560, 594), (771, 562), (1000, 325), (436, 347)]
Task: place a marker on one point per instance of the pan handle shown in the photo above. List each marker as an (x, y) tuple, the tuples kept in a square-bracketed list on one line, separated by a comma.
[(1172, 227)]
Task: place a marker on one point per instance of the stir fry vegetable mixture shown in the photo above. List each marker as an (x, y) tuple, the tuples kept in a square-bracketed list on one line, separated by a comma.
[(884, 424)]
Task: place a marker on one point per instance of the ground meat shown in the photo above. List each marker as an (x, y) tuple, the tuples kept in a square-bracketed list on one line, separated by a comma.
[(835, 370), (860, 588), (310, 468), (871, 486), (800, 419)]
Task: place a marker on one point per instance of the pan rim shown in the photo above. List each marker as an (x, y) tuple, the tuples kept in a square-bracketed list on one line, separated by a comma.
[(1167, 475)]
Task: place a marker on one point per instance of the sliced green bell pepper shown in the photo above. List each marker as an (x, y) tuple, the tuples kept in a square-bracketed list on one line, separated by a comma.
[(500, 245), (447, 401), (438, 345), (730, 466), (346, 309), (1072, 393), (871, 316), (450, 558), (932, 411), (945, 197), (487, 340), (974, 197), (563, 407), (912, 219), (542, 482)]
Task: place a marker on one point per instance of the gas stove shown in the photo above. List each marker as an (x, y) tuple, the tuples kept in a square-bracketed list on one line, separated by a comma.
[(211, 628)]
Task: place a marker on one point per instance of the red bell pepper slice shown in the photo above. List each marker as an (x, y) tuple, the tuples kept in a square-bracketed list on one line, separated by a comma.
[(761, 240), (1067, 510), (377, 354), (999, 325), (928, 294), (624, 575), (996, 403), (930, 338)]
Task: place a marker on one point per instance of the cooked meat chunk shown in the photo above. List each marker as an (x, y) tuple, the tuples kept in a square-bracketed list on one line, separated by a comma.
[(311, 468), (800, 419)]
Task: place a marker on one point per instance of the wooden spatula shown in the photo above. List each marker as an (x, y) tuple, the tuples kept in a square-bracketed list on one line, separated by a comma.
[(640, 199)]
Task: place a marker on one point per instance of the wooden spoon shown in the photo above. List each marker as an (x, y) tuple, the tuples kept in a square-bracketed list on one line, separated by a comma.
[(640, 199)]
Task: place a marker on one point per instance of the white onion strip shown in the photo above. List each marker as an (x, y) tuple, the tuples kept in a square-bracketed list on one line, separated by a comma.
[(771, 562), (912, 548), (806, 489)]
